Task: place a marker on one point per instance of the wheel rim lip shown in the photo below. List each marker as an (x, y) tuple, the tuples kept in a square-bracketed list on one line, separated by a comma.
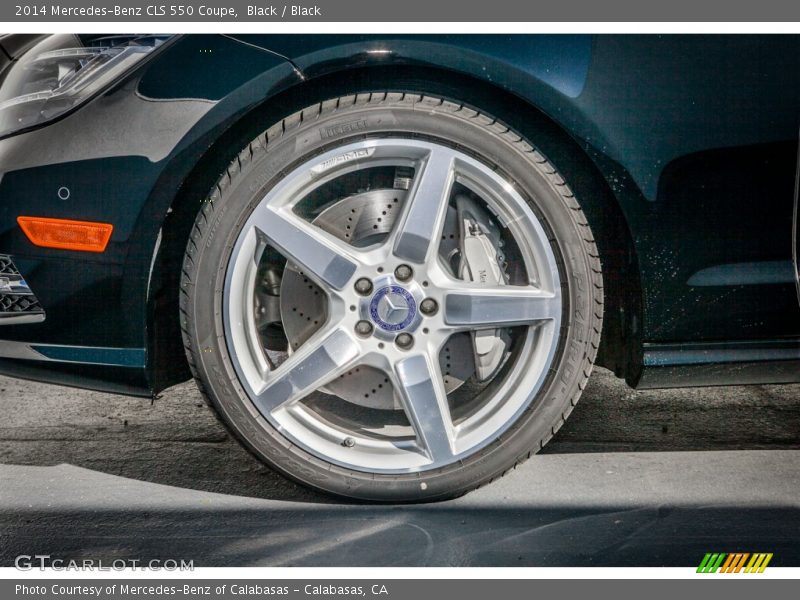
[(538, 347)]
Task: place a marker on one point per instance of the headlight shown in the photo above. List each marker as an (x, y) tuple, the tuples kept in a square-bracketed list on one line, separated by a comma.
[(60, 73)]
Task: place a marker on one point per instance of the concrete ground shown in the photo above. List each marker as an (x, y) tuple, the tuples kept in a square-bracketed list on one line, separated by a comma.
[(633, 478)]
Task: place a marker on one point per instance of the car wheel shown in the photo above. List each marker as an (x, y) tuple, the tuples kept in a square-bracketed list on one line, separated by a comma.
[(391, 297)]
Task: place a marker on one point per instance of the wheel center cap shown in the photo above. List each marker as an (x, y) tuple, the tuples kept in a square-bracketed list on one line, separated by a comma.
[(392, 308)]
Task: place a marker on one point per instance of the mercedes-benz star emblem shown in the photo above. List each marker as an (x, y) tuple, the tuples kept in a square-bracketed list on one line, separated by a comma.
[(392, 308)]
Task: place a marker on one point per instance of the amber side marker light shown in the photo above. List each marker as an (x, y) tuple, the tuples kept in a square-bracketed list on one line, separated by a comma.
[(64, 234)]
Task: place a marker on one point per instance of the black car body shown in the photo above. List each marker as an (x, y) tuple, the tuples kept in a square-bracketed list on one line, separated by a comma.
[(690, 141)]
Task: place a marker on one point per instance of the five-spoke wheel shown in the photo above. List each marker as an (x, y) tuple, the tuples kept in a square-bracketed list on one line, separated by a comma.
[(389, 281), (392, 298)]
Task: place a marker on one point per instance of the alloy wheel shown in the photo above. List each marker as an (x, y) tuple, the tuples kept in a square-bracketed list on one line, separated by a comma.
[(396, 327)]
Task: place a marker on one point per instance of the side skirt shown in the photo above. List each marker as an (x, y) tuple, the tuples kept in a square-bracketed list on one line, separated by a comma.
[(720, 363)]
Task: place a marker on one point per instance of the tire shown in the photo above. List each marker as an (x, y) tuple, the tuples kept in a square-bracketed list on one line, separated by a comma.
[(214, 250)]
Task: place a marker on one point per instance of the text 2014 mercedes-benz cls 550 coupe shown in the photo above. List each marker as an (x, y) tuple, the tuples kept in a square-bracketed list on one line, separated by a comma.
[(391, 262)]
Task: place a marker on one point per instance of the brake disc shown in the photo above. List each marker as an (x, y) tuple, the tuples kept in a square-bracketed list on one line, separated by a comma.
[(363, 219), (471, 245)]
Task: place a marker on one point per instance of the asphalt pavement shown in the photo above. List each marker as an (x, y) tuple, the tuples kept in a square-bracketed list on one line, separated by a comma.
[(633, 478)]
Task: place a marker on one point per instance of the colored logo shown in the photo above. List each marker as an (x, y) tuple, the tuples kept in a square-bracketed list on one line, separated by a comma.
[(393, 308), (737, 562)]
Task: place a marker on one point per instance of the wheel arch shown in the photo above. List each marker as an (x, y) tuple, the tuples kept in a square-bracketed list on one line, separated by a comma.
[(620, 348)]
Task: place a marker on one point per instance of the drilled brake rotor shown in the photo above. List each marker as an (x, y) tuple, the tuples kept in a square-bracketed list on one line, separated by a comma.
[(361, 220)]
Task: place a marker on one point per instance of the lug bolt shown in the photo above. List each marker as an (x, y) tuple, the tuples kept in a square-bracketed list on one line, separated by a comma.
[(429, 306), (403, 272), (404, 341), (363, 286), (364, 328), (348, 442)]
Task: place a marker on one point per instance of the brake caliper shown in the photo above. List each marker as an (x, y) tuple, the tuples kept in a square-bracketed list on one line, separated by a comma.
[(482, 263)]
